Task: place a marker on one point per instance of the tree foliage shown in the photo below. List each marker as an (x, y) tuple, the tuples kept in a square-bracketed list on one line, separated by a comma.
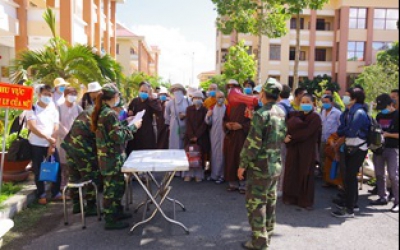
[(383, 76), (239, 64), (319, 84), (75, 63)]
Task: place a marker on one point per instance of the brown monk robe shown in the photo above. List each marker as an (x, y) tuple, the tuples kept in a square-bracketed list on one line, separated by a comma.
[(304, 129), (145, 137), (331, 154), (162, 129), (196, 127), (234, 140)]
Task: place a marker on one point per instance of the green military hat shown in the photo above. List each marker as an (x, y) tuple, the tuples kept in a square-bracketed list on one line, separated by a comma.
[(109, 90), (272, 86)]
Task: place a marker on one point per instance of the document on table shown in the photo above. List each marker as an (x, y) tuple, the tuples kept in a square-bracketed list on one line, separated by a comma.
[(138, 117)]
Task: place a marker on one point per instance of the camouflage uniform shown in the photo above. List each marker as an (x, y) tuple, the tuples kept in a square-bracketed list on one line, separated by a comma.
[(260, 157), (80, 148), (111, 136)]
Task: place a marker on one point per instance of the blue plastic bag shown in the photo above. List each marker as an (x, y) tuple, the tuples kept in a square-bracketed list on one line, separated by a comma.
[(49, 170), (334, 170)]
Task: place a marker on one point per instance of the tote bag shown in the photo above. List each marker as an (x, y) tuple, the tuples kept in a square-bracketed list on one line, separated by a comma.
[(49, 170)]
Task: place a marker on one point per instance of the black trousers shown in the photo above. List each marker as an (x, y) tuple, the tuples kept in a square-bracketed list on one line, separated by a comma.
[(38, 155), (353, 164)]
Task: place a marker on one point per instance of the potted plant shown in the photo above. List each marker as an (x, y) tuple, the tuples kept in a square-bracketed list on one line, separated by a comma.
[(14, 171)]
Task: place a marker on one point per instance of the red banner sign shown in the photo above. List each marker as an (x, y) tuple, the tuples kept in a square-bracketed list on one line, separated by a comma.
[(16, 96)]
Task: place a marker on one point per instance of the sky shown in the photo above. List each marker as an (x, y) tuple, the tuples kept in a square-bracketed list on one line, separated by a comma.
[(181, 29)]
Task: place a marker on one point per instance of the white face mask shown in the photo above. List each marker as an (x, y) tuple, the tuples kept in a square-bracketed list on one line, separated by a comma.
[(178, 95), (45, 99), (71, 98), (346, 100)]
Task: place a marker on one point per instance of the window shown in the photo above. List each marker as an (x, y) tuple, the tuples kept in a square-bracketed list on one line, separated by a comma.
[(275, 52), (322, 25), (117, 48), (320, 55), (293, 23), (358, 18), (291, 80), (224, 54), (250, 50), (381, 45), (292, 54), (355, 51), (132, 51), (385, 19)]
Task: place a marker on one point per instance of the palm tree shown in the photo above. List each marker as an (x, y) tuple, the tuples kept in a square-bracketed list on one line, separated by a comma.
[(76, 64)]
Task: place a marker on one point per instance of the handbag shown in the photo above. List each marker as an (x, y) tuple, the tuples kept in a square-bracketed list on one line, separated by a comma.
[(334, 170), (193, 153), (20, 149), (49, 170)]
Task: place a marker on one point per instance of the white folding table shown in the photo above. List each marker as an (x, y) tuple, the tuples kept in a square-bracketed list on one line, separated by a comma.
[(148, 161)]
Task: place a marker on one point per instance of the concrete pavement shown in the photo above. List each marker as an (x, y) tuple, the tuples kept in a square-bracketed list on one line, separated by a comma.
[(217, 220)]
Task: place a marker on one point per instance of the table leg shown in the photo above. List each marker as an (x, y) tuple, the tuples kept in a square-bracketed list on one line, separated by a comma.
[(168, 198), (158, 206)]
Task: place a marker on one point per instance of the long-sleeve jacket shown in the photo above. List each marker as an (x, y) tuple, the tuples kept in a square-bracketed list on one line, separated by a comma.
[(354, 122), (262, 146)]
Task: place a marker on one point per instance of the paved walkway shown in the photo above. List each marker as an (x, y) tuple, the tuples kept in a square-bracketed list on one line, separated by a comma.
[(217, 220)]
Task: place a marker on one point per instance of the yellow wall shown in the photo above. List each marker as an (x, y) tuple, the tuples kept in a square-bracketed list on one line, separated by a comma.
[(124, 56)]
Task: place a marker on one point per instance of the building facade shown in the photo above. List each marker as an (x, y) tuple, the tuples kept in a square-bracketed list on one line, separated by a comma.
[(338, 41), (134, 54), (205, 76), (91, 22)]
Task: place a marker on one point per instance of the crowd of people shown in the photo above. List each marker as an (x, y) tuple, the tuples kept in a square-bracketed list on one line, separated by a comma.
[(265, 151)]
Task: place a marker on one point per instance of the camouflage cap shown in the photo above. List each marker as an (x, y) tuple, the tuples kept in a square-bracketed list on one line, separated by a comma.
[(272, 86), (109, 89)]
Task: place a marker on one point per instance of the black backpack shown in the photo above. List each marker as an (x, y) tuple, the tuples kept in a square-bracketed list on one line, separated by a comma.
[(20, 149)]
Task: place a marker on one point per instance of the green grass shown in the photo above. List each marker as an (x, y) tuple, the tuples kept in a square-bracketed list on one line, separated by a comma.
[(8, 189)]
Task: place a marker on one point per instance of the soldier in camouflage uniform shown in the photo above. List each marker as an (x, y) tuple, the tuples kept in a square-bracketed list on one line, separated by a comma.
[(111, 137), (80, 148), (260, 157)]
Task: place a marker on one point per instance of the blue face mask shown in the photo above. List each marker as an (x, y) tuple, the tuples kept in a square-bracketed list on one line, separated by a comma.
[(61, 89), (143, 95), (45, 99), (306, 107), (212, 93), (385, 111), (326, 105), (260, 103), (163, 98), (248, 91)]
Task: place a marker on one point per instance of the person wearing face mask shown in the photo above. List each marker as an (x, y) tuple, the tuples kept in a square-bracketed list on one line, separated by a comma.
[(211, 100), (215, 119), (162, 128), (354, 127), (197, 133), (175, 116), (146, 137), (330, 116), (111, 137), (248, 87), (68, 111), (59, 87), (303, 130), (388, 119), (43, 122)]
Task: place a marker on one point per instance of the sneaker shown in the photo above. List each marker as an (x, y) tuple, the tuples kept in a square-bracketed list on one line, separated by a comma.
[(220, 181), (379, 202), (249, 245), (199, 180), (342, 214), (342, 206), (187, 179), (116, 225), (42, 201), (395, 208)]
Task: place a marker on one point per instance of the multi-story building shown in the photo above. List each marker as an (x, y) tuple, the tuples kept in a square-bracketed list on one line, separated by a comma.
[(205, 76), (134, 54), (22, 26), (338, 40)]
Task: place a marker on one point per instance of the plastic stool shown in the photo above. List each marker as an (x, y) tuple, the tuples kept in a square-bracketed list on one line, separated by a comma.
[(80, 185)]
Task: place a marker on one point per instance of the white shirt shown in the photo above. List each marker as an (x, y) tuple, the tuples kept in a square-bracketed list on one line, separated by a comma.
[(46, 119), (58, 98), (330, 122)]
